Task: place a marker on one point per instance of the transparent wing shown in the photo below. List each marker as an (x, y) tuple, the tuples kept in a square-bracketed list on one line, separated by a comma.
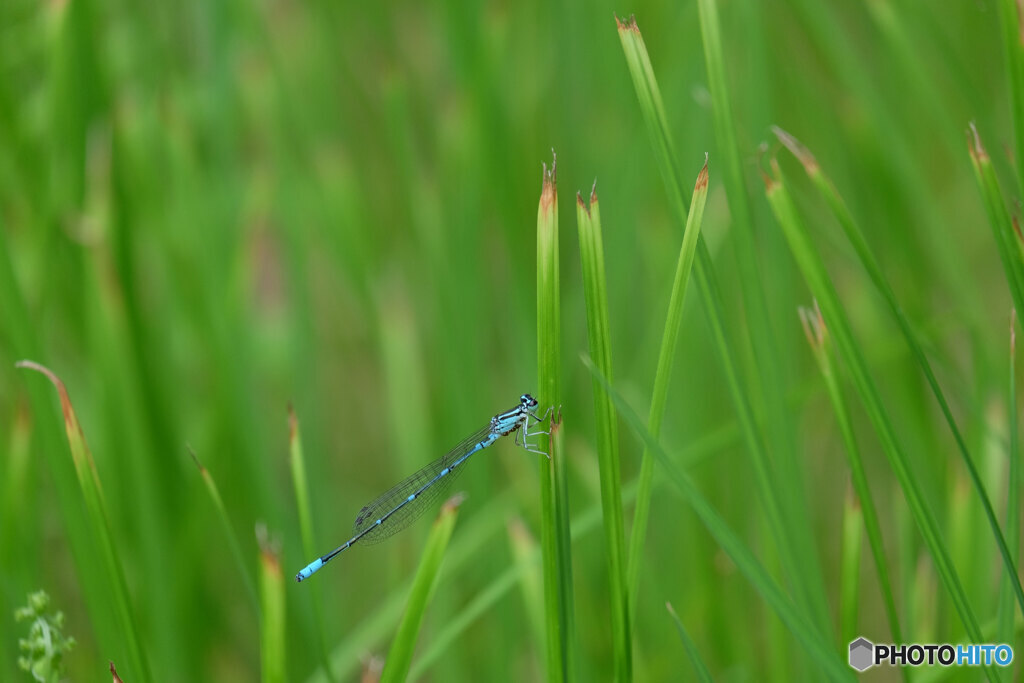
[(395, 500)]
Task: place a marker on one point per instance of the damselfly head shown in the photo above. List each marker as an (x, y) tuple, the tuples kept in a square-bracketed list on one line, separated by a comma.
[(528, 401)]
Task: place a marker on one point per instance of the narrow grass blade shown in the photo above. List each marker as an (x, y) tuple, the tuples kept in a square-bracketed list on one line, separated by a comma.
[(241, 566), (699, 667), (648, 94), (99, 526), (849, 567), (821, 286), (272, 611), (821, 344), (662, 375), (771, 388), (396, 668), (999, 218), (554, 485), (588, 219), (867, 258), (741, 554), (1013, 483), (299, 481)]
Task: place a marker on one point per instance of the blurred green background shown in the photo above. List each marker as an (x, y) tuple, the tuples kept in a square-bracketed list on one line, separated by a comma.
[(211, 210)]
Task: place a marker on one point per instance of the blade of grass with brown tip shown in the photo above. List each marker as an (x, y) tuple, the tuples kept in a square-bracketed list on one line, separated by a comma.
[(659, 397), (813, 269), (396, 667), (559, 611), (588, 220), (99, 526)]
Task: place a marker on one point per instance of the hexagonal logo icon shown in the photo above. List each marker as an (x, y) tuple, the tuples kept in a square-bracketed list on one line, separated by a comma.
[(861, 654)]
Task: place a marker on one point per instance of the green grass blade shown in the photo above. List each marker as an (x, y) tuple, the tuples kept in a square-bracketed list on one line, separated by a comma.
[(396, 667), (647, 90), (699, 667), (770, 389), (559, 614), (301, 485), (821, 344), (588, 219), (821, 286), (662, 375), (1013, 483), (272, 612), (741, 554), (241, 566), (867, 258), (99, 526)]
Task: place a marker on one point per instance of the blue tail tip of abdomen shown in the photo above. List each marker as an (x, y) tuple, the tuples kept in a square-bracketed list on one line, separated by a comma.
[(309, 570)]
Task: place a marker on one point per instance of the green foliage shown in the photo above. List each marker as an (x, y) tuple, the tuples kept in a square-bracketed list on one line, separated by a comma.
[(44, 649), (211, 210)]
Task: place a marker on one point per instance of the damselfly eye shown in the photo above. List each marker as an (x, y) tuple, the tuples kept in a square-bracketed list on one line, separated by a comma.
[(528, 401)]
